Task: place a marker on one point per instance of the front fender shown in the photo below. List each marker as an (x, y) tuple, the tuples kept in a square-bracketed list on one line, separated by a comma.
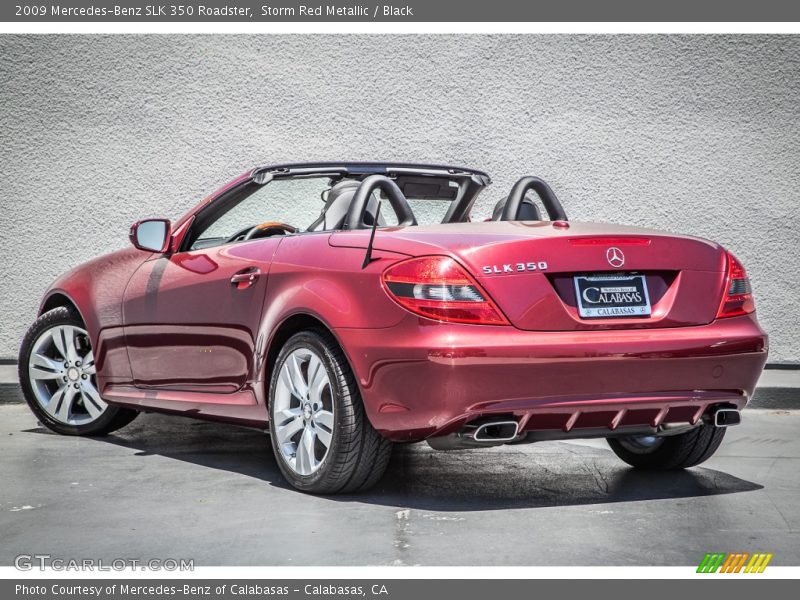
[(95, 289)]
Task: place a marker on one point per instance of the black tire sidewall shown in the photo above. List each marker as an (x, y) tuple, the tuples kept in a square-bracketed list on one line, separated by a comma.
[(677, 452), (54, 318), (326, 477), (657, 459)]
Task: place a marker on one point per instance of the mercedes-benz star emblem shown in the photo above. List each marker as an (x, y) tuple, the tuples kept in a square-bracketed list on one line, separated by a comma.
[(615, 257)]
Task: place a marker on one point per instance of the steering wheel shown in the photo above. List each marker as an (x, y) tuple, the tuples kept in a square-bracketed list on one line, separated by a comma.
[(358, 205), (265, 229)]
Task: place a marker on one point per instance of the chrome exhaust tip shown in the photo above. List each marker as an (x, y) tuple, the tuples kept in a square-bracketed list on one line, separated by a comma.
[(483, 435), (727, 417), (496, 431)]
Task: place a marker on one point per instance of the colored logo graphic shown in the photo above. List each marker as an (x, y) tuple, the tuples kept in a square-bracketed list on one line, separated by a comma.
[(740, 562)]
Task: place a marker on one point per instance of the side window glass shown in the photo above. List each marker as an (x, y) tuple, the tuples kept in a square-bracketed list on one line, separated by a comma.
[(283, 202)]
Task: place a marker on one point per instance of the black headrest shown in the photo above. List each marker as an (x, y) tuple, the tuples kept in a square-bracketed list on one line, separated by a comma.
[(337, 203), (528, 211), (339, 188)]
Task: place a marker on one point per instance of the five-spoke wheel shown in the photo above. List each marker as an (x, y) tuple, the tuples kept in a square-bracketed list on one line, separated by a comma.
[(62, 374), (321, 436), (58, 377), (303, 411)]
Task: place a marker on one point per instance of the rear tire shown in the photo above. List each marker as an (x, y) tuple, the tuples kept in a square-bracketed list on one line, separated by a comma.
[(57, 376), (669, 452), (312, 387)]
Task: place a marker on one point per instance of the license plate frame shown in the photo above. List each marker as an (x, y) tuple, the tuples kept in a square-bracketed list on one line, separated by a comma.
[(624, 295)]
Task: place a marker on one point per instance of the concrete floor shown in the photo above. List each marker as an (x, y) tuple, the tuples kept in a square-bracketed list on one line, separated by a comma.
[(168, 487)]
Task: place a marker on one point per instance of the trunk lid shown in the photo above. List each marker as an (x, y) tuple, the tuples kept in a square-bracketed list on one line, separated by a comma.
[(528, 268)]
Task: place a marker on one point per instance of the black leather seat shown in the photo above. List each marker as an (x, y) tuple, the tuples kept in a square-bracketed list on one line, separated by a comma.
[(528, 211), (338, 202)]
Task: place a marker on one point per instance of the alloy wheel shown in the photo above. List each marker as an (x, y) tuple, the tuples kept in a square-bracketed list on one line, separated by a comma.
[(303, 410), (62, 375)]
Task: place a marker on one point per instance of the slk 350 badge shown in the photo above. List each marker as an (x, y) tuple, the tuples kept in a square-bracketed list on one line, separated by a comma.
[(514, 268)]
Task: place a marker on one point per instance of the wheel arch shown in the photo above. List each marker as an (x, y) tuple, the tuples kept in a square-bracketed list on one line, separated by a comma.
[(295, 323), (57, 299), (292, 324)]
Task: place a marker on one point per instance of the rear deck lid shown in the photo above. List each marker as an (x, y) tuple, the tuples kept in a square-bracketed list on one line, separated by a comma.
[(530, 268)]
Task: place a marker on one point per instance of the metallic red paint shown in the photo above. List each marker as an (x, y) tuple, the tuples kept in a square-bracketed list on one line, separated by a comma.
[(423, 378), (172, 333), (210, 346)]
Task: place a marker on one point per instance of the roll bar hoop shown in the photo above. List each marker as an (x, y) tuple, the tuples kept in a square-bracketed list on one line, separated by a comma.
[(355, 214), (548, 197)]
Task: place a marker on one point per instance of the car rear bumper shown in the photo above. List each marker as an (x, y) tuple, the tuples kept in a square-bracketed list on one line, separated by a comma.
[(421, 378)]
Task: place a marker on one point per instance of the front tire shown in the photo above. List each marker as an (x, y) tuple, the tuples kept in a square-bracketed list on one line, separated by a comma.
[(669, 452), (321, 437), (58, 377)]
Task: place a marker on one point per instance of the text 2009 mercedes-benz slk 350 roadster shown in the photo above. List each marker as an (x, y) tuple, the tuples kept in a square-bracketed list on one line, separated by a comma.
[(360, 328)]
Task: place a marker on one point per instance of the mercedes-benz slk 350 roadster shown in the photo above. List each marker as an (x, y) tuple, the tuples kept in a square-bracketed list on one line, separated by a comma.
[(355, 327)]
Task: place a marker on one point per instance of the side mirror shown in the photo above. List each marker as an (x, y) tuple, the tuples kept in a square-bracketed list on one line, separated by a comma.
[(151, 235)]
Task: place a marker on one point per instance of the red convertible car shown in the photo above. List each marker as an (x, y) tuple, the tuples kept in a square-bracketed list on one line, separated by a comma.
[(359, 327)]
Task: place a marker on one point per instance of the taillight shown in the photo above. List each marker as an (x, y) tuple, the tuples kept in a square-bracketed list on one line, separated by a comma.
[(738, 298), (439, 288)]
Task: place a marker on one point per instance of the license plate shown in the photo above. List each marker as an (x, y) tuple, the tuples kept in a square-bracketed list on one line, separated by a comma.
[(609, 296)]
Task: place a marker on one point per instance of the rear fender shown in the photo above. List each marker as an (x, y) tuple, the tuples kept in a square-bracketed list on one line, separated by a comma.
[(308, 277)]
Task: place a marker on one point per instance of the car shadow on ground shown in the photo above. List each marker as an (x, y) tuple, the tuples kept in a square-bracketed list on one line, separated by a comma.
[(530, 476)]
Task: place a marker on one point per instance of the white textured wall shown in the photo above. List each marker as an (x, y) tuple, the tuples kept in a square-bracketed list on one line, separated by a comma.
[(699, 135)]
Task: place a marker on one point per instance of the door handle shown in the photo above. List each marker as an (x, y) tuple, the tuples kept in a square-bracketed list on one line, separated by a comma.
[(245, 278)]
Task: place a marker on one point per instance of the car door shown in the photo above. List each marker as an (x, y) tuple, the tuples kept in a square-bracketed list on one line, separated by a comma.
[(191, 318)]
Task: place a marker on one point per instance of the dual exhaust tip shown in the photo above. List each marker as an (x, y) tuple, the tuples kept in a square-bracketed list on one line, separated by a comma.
[(496, 431), (478, 435), (726, 417), (506, 431), (493, 433)]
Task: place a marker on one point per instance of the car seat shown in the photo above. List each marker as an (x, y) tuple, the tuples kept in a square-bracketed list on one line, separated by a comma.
[(528, 211), (337, 204)]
